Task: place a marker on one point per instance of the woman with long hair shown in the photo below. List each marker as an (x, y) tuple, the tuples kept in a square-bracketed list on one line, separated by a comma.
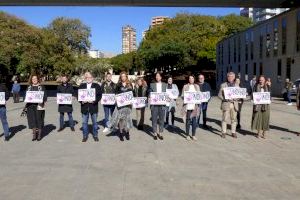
[(171, 106), (261, 112), (121, 118), (190, 111), (36, 111), (140, 90)]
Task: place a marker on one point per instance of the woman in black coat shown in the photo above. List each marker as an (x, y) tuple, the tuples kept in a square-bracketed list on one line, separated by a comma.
[(65, 88), (36, 111)]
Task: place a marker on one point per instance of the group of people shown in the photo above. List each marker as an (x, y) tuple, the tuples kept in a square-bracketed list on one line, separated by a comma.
[(120, 118)]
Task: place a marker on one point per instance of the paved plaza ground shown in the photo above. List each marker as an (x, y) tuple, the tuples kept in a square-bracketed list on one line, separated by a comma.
[(62, 167)]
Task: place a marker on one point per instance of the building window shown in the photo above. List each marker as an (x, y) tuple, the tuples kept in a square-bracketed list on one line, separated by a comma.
[(268, 41), (251, 45), (229, 53), (288, 67), (261, 69), (239, 49), (279, 70), (298, 32), (283, 39), (222, 52), (246, 72), (261, 43), (239, 69), (246, 45), (254, 69), (275, 46), (234, 50)]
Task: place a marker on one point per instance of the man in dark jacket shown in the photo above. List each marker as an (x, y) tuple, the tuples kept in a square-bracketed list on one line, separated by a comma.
[(4, 96), (65, 88), (108, 87), (91, 107), (204, 87)]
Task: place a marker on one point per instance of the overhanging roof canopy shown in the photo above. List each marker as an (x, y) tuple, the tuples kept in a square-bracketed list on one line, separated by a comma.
[(175, 3)]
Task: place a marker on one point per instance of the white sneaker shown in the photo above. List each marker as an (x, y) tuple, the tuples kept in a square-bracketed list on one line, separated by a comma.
[(194, 138), (289, 104), (106, 130)]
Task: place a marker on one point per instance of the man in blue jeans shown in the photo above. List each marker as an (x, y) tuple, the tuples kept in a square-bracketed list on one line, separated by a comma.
[(108, 87), (3, 98), (204, 87), (90, 108)]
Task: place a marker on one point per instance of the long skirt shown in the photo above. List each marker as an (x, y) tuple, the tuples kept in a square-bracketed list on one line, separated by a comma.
[(261, 120), (121, 116), (35, 117)]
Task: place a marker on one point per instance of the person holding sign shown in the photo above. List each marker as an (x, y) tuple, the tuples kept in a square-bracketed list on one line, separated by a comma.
[(35, 99), (108, 87), (229, 107), (90, 96), (4, 96), (63, 89), (158, 111), (240, 101), (204, 87), (190, 111), (261, 112), (173, 92), (140, 91), (122, 115)]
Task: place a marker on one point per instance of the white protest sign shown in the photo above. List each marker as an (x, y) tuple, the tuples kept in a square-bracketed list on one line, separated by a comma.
[(87, 94), (173, 93), (139, 102), (34, 97), (64, 98), (108, 99), (204, 96), (124, 99), (261, 98), (2, 98), (158, 98), (192, 97), (235, 93)]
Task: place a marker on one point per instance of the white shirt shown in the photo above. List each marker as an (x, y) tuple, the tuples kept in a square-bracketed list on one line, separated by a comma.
[(191, 106), (159, 87), (88, 85)]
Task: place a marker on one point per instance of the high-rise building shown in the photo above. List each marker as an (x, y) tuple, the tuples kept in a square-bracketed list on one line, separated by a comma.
[(128, 39), (158, 20), (261, 14)]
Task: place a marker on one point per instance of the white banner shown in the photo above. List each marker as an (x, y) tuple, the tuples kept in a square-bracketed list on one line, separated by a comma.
[(204, 96), (64, 98), (158, 98), (124, 99), (87, 95), (139, 102), (108, 99), (192, 97), (235, 93), (34, 97), (173, 93), (261, 98), (2, 98)]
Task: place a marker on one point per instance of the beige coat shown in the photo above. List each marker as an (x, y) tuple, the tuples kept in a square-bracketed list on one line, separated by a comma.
[(196, 110), (225, 105)]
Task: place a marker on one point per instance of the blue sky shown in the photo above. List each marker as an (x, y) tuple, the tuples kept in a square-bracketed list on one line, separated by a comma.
[(106, 22)]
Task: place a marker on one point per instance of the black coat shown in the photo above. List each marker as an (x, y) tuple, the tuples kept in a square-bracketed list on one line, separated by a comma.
[(91, 108), (68, 89), (3, 88)]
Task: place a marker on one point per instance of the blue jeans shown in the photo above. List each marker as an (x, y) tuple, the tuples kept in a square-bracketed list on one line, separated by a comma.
[(108, 109), (3, 118), (85, 128), (190, 121), (61, 119), (289, 94), (203, 111)]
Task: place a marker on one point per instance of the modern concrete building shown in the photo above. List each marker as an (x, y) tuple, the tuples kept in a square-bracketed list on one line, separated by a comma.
[(158, 20), (261, 14), (96, 54), (128, 39), (271, 48)]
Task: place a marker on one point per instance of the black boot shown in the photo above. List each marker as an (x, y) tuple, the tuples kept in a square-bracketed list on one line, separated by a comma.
[(127, 136), (34, 134), (39, 134), (121, 136)]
